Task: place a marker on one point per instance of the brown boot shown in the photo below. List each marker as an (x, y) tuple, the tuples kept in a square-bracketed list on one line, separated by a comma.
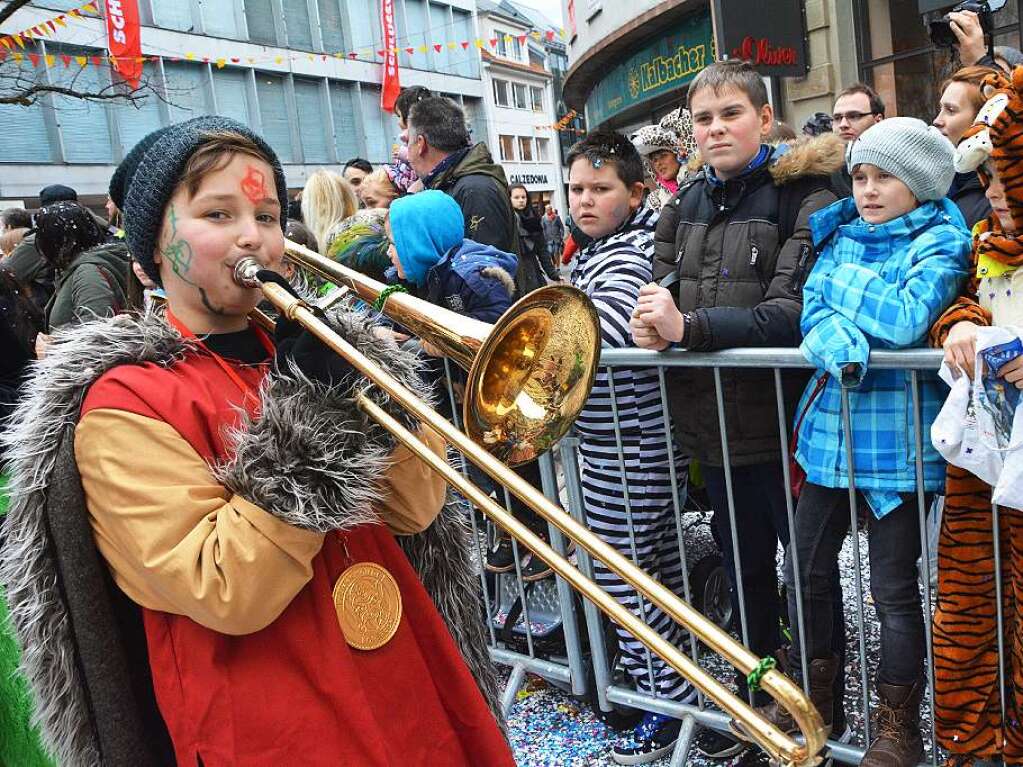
[(822, 677), (897, 742)]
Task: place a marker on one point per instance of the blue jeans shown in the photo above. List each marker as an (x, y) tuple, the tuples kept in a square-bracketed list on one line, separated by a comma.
[(761, 518), (822, 521)]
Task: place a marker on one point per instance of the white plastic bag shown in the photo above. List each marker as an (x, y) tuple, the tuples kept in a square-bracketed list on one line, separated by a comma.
[(966, 434)]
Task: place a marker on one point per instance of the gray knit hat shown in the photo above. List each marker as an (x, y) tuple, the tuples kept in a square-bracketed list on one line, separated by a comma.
[(911, 150), (157, 175)]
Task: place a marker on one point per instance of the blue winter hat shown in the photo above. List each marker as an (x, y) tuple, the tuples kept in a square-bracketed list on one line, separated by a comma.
[(424, 227)]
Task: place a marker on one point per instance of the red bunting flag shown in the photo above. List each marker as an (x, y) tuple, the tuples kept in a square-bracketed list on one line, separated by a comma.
[(493, 42), (410, 51), (522, 39), (437, 47), (465, 44), (550, 34), (34, 57), (390, 86), (66, 59)]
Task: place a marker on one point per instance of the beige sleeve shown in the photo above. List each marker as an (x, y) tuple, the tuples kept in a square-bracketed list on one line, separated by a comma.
[(178, 541), (414, 493)]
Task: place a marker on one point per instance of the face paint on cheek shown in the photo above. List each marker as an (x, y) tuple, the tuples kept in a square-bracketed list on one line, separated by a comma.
[(177, 252), (254, 185)]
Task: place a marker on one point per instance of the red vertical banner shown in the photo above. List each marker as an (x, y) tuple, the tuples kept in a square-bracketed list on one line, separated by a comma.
[(391, 86), (124, 38)]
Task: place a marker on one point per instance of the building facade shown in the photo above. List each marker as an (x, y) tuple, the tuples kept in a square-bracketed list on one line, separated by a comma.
[(304, 73), (630, 63), (520, 103)]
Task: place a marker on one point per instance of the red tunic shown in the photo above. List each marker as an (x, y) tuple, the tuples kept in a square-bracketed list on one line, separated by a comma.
[(295, 692)]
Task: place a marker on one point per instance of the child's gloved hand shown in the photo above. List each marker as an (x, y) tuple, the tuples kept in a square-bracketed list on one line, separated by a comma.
[(299, 346)]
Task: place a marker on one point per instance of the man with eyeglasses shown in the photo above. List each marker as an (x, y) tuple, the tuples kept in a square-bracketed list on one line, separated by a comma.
[(856, 109)]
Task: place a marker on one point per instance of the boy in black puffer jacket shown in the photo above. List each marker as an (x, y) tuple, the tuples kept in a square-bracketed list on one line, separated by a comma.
[(732, 250)]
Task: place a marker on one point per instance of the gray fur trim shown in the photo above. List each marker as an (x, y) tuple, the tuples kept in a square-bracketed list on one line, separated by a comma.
[(44, 422), (457, 595), (312, 457)]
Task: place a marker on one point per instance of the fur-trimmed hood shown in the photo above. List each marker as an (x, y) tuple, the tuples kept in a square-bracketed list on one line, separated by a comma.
[(92, 706), (811, 156)]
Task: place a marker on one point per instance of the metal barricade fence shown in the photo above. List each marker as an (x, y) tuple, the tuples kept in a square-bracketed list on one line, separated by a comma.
[(571, 672)]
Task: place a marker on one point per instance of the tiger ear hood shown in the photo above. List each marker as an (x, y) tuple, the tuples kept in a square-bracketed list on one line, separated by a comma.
[(1001, 119)]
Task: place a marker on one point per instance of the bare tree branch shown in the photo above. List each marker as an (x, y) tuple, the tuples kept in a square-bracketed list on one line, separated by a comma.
[(31, 94), (8, 10)]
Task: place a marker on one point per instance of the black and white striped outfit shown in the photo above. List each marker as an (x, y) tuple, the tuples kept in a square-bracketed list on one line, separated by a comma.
[(611, 272)]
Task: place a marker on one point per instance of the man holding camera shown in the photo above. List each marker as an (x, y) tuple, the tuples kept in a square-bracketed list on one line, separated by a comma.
[(970, 30)]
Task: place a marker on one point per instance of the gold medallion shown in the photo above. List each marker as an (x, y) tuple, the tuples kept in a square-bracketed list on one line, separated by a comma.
[(368, 605)]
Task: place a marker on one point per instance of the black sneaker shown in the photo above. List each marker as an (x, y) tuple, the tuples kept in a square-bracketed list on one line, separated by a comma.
[(501, 558), (751, 757), (717, 745), (535, 569), (653, 738)]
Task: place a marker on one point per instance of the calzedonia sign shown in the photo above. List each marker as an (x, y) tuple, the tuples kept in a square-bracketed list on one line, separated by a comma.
[(769, 35), (663, 64)]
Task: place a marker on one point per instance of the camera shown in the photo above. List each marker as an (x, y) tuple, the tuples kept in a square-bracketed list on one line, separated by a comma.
[(941, 30)]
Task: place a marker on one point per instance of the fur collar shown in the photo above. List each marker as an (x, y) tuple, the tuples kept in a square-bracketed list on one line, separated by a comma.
[(40, 438), (817, 156)]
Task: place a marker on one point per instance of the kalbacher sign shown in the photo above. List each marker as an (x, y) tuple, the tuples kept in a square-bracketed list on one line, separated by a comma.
[(770, 36)]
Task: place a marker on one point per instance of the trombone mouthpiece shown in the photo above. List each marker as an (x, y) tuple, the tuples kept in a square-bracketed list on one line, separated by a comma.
[(245, 272)]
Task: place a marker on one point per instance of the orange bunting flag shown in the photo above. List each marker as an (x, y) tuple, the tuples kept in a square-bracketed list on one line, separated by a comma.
[(6, 42)]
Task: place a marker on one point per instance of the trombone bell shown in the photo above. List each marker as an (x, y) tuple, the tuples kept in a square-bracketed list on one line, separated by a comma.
[(533, 374)]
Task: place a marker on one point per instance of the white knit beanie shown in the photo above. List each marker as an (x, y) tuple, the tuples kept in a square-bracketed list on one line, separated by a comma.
[(911, 150)]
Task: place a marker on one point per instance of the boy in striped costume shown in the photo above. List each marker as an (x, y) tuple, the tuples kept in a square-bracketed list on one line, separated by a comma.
[(626, 486)]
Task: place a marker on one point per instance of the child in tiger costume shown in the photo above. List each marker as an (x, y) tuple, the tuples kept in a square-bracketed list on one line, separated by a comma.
[(976, 719)]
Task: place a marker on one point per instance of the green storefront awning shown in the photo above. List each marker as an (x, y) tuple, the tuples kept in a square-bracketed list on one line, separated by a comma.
[(664, 63)]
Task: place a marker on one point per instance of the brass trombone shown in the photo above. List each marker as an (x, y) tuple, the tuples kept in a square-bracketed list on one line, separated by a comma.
[(438, 327)]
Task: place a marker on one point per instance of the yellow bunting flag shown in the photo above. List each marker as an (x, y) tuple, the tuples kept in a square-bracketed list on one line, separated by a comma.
[(60, 20), (89, 8), (190, 56), (81, 60), (221, 63), (50, 59), (18, 56)]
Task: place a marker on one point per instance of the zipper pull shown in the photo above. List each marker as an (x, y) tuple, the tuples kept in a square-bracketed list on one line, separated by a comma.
[(754, 254), (678, 257)]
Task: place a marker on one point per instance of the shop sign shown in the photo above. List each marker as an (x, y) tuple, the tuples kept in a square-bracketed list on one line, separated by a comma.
[(662, 65), (529, 179), (770, 36)]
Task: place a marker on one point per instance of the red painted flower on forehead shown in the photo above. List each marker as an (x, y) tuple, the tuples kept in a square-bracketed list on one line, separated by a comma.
[(254, 185)]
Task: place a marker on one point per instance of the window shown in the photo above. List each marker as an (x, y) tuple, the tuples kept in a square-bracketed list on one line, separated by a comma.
[(502, 46), (134, 123), (526, 148), (259, 17), (83, 124), (173, 14), (330, 25), (536, 59), (438, 26), (465, 63), (519, 91), (536, 95), (346, 129), (543, 150), (381, 128), (218, 18), (507, 147), (415, 15), (312, 122), (273, 110), (231, 88), (25, 138), (296, 21), (501, 93)]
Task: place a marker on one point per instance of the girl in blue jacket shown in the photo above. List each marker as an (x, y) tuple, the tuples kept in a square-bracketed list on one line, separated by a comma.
[(892, 258)]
